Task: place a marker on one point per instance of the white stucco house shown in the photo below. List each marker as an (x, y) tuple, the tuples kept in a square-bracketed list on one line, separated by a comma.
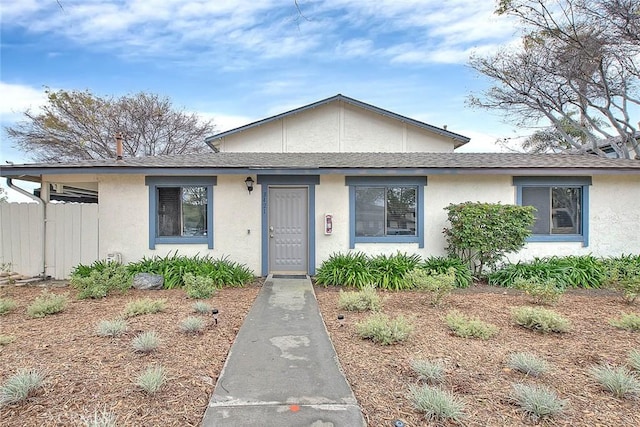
[(283, 193)]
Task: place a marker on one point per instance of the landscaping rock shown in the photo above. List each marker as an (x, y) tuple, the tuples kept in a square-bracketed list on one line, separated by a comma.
[(148, 281)]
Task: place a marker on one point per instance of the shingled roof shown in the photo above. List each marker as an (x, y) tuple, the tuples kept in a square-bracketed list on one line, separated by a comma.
[(339, 163)]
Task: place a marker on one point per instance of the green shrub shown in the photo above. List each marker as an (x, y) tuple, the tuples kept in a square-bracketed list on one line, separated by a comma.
[(6, 305), (623, 274), (527, 363), (202, 307), (145, 342), (618, 381), (20, 386), (436, 405), (102, 418), (441, 265), (144, 306), (431, 372), (466, 327), (173, 267), (46, 304), (381, 329), (199, 287), (634, 359), (542, 292), (540, 319), (628, 321), (436, 284), (363, 300), (152, 379), (6, 339), (481, 234), (111, 328), (350, 269), (192, 325), (538, 401), (389, 271), (98, 282)]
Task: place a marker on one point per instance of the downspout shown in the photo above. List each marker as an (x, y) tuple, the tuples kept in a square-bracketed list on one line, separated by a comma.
[(24, 192)]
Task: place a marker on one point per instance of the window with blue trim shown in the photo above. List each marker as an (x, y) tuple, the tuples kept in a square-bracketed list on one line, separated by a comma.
[(561, 206), (386, 209), (180, 210)]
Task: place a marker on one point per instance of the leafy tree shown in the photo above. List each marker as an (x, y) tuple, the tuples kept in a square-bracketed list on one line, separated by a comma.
[(3, 195), (576, 69), (76, 125), (481, 234)]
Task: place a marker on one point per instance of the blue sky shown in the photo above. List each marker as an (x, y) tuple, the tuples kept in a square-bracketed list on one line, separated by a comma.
[(237, 61)]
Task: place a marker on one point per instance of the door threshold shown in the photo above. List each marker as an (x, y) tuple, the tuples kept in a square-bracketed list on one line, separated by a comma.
[(289, 276)]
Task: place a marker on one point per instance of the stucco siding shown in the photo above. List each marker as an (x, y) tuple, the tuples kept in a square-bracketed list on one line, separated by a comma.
[(317, 130), (419, 140)]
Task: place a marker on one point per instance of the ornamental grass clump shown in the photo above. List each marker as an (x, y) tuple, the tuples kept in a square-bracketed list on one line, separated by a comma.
[(547, 291), (201, 307), (431, 372), (467, 327), (528, 364), (540, 319), (617, 380), (152, 379), (437, 405), (20, 386), (199, 287), (6, 339), (6, 305), (627, 321), (145, 342), (383, 330), (111, 328), (144, 306), (537, 401), (437, 285), (47, 303), (101, 418), (634, 360), (350, 269), (192, 325), (366, 299)]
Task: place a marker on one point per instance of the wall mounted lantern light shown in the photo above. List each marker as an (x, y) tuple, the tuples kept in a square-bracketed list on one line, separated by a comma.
[(249, 182)]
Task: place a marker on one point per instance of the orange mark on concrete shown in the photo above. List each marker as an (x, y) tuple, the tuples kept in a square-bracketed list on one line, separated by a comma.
[(294, 408)]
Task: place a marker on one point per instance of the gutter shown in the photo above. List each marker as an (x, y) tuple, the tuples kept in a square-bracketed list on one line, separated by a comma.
[(41, 202)]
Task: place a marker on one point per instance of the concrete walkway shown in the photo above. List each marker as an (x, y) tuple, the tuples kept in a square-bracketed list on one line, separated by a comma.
[(282, 369)]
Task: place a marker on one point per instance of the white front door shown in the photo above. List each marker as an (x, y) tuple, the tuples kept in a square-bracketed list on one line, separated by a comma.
[(288, 228)]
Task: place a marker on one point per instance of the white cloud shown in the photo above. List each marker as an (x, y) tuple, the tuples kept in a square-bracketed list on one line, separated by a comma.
[(225, 122), (17, 98)]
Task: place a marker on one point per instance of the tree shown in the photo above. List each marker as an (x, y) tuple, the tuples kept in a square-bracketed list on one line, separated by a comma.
[(76, 125), (577, 70), (3, 195)]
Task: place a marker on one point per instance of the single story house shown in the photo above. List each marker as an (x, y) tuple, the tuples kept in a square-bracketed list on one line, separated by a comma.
[(282, 194)]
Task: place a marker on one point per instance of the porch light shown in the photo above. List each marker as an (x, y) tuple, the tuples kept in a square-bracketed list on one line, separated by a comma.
[(341, 319), (249, 182), (214, 312)]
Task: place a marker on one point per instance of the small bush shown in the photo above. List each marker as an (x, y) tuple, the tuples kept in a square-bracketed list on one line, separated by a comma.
[(441, 265), (541, 291), (466, 327), (98, 282), (144, 306), (618, 381), (437, 405), (379, 328), (634, 360), (431, 372), (538, 401), (363, 300), (6, 305), (630, 322), (192, 325), (350, 269), (436, 284), (623, 274), (6, 339), (46, 304), (102, 418), (145, 342), (389, 272), (540, 319), (201, 307), (527, 363), (20, 386), (111, 328), (152, 379), (198, 287)]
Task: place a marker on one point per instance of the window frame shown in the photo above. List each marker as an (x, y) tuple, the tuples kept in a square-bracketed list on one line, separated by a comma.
[(584, 182), (178, 182), (419, 182)]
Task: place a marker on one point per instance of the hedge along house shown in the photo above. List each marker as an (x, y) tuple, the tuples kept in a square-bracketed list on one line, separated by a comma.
[(284, 193)]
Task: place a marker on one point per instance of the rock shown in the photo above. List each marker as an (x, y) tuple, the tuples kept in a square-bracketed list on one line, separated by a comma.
[(148, 281)]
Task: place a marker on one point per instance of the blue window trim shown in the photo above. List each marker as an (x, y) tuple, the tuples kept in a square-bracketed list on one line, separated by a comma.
[(153, 182), (310, 181), (369, 181), (558, 181)]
